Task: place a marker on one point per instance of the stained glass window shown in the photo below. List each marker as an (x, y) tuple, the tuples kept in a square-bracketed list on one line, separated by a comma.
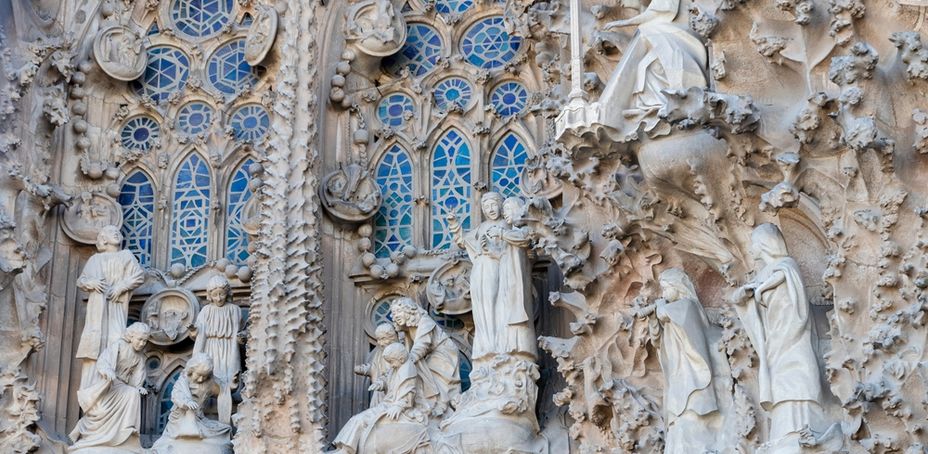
[(465, 368), (189, 229), (250, 123), (509, 98), (392, 109), (419, 54), (137, 197), (247, 20), (239, 194), (153, 30), (486, 44), (201, 18), (393, 222), (228, 71), (453, 6), (508, 162), (194, 118), (451, 186), (166, 73), (165, 402), (140, 133), (381, 312), (453, 91)]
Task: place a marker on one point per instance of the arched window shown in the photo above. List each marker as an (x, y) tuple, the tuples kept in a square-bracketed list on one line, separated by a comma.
[(228, 71), (509, 98), (487, 45), (140, 133), (393, 222), (167, 72), (451, 186), (137, 198), (238, 196), (190, 213), (420, 53), (507, 164)]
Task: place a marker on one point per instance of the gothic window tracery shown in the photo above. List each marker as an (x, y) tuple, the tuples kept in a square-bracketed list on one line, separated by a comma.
[(453, 91), (451, 185), (250, 123), (509, 98), (420, 53), (137, 198), (507, 164), (487, 45), (201, 18), (194, 118), (166, 73), (394, 109), (228, 71), (393, 222), (191, 204), (238, 196), (140, 133)]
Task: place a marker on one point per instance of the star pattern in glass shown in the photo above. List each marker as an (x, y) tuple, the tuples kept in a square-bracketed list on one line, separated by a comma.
[(509, 98), (392, 109), (190, 213), (451, 186), (201, 18), (393, 222), (250, 123), (238, 196), (453, 6), (140, 133), (194, 118), (419, 54), (137, 198), (167, 72), (453, 91), (487, 45), (507, 165), (228, 71)]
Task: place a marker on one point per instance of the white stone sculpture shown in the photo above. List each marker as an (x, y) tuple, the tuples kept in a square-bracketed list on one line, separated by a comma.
[(376, 28), (88, 213), (397, 423), (188, 430), (350, 193), (261, 35), (120, 53), (217, 332), (109, 277), (499, 281), (777, 317), (376, 366), (112, 403), (432, 351), (663, 56), (169, 312), (679, 329)]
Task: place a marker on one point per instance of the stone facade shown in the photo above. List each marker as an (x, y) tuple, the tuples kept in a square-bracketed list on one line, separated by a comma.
[(462, 226)]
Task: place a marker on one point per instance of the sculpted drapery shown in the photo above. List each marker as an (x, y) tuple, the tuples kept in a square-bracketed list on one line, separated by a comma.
[(217, 329)]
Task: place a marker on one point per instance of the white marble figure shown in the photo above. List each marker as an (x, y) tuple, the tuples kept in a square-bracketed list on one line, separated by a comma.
[(376, 366), (432, 351), (662, 56), (497, 303), (680, 332), (188, 430), (516, 333), (399, 408), (217, 333), (109, 277), (777, 318), (112, 404)]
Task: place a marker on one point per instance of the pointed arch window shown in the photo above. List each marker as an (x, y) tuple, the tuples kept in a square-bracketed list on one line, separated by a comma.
[(238, 196), (137, 197), (451, 186), (393, 222), (190, 211), (507, 164)]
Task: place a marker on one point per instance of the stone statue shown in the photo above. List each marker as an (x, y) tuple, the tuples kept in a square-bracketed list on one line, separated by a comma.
[(516, 332), (261, 34), (376, 366), (217, 334), (109, 277), (777, 318), (188, 430), (399, 414), (432, 351), (679, 331), (120, 53), (112, 403), (661, 57), (497, 302)]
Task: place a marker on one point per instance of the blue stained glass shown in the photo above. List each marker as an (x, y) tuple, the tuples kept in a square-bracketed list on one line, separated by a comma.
[(228, 71), (509, 98), (247, 20), (393, 222), (166, 73), (486, 44), (419, 54), (140, 133), (238, 196), (507, 165), (137, 197), (191, 204), (250, 123), (453, 6), (153, 30), (453, 91), (392, 109), (465, 367), (194, 118), (165, 402), (201, 18), (451, 186)]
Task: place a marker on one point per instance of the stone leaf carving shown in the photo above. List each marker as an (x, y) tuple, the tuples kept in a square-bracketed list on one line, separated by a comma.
[(88, 213), (350, 194), (376, 28), (261, 35), (169, 313), (448, 290), (120, 53)]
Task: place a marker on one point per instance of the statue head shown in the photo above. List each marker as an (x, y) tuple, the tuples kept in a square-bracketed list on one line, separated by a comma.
[(405, 312), (491, 203), (676, 285), (137, 335), (218, 290), (199, 368), (385, 334), (395, 354), (513, 208), (109, 239), (767, 243)]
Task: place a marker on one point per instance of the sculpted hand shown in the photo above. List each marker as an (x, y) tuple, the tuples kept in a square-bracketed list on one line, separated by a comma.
[(108, 375), (742, 294), (376, 386), (95, 285), (143, 391), (616, 24), (193, 406), (661, 310), (393, 412)]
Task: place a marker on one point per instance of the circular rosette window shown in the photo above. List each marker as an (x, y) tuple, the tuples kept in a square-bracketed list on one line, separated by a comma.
[(448, 289), (170, 313)]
